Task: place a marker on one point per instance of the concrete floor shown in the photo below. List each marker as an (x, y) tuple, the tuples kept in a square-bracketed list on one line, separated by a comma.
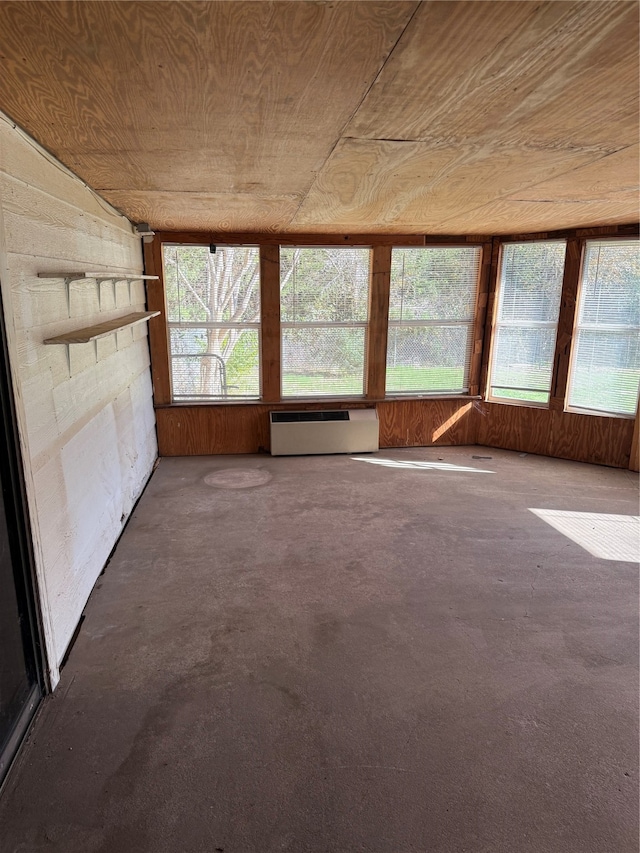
[(352, 656)]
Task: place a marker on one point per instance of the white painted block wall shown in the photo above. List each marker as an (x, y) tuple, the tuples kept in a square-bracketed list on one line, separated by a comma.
[(86, 420)]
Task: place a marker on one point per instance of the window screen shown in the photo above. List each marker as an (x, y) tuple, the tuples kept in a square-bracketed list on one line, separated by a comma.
[(524, 335), (324, 294), (431, 314), (606, 346), (213, 312)]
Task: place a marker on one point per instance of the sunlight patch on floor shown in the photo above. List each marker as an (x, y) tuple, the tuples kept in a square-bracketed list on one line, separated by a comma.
[(419, 466), (606, 536)]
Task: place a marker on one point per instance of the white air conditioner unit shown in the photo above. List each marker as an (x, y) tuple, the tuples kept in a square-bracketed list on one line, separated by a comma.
[(337, 431)]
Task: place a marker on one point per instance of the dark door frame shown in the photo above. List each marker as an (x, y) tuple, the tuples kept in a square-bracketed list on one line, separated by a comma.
[(21, 546)]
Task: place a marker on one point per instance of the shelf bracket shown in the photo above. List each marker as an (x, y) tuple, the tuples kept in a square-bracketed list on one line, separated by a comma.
[(67, 286), (99, 277)]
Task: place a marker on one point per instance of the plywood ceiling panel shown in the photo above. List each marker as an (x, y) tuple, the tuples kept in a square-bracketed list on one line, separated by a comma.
[(207, 96), (613, 178), (501, 216), (369, 117), (555, 74), (400, 183), (147, 171), (205, 211)]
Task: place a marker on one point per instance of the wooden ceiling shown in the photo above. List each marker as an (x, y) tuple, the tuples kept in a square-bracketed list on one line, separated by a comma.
[(336, 117)]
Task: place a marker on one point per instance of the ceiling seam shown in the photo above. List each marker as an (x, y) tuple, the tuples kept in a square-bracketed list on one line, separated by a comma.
[(234, 193), (478, 142), (357, 107)]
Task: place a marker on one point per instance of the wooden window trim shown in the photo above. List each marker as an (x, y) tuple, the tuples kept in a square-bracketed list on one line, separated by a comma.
[(270, 347), (158, 326), (566, 323), (378, 328), (375, 362), (482, 303)]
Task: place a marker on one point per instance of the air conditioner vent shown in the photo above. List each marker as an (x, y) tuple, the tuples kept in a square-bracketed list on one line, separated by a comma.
[(329, 431), (301, 417)]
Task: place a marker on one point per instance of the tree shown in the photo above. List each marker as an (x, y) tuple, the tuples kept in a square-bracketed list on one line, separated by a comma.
[(203, 287)]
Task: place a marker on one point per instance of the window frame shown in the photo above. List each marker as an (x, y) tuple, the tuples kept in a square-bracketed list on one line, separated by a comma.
[(270, 359), (495, 324), (470, 324), (578, 410), (323, 324), (202, 399)]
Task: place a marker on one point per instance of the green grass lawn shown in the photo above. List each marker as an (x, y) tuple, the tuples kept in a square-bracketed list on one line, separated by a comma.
[(321, 385), (607, 390), (400, 380), (526, 396), (422, 380), (614, 391), (604, 390)]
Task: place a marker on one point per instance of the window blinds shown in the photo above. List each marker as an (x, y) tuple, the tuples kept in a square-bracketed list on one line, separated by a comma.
[(605, 371), (431, 315), (324, 302), (529, 291), (213, 312)]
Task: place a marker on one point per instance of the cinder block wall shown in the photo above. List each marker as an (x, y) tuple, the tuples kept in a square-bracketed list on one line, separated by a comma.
[(85, 413)]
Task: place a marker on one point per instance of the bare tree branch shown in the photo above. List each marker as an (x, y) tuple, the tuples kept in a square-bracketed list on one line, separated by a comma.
[(186, 282)]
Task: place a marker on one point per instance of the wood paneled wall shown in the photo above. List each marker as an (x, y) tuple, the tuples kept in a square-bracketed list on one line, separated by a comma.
[(244, 427), (634, 460), (584, 438)]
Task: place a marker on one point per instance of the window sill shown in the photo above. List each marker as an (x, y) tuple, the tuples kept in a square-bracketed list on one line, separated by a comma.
[(595, 414), (395, 398), (521, 404), (318, 401)]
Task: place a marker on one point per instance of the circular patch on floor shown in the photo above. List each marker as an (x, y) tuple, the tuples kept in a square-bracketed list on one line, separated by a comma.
[(237, 478)]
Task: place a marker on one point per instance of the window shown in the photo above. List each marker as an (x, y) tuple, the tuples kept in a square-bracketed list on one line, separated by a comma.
[(213, 312), (324, 296), (605, 371), (431, 315), (524, 334)]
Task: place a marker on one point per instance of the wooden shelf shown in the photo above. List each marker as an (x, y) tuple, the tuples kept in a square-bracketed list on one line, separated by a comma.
[(101, 330), (78, 276)]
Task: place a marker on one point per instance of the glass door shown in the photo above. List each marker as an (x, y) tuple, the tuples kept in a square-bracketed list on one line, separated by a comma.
[(20, 671)]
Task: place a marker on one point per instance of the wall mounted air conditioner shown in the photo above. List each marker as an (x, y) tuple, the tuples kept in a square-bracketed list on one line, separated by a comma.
[(339, 431)]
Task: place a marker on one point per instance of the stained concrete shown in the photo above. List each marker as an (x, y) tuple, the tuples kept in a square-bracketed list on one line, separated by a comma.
[(347, 656)]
